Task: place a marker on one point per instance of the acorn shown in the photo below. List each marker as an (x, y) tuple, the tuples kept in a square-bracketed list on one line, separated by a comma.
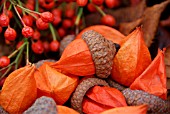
[(102, 51), (2, 111), (114, 84), (82, 88), (43, 105), (40, 62), (65, 41), (155, 104)]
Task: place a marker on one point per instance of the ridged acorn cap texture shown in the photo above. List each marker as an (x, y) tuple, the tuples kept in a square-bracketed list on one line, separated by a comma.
[(102, 51), (82, 88)]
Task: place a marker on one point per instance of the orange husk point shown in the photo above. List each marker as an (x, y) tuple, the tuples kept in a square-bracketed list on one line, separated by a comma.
[(132, 58), (19, 90), (153, 79), (76, 59), (54, 84), (108, 32), (142, 109), (99, 99), (65, 110)]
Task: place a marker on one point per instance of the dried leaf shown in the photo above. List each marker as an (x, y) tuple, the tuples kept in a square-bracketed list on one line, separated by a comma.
[(108, 32), (153, 79), (54, 84), (102, 98), (65, 110), (131, 59), (141, 109), (19, 90), (76, 59)]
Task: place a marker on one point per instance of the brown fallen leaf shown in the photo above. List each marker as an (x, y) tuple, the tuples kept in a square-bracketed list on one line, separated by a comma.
[(150, 21)]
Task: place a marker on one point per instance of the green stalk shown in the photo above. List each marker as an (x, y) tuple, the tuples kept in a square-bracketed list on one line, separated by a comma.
[(100, 10), (53, 32), (17, 58), (80, 12), (36, 6), (6, 72), (20, 3), (27, 54)]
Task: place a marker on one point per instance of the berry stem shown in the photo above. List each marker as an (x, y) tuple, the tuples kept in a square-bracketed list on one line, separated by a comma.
[(36, 6), (100, 10), (80, 12), (20, 3), (10, 7), (27, 53), (17, 58), (6, 72), (7, 66), (16, 51), (19, 15), (53, 32)]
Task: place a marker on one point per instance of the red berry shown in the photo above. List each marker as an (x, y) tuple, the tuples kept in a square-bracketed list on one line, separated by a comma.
[(4, 20), (57, 20), (67, 23), (54, 45), (46, 46), (19, 10), (69, 13), (112, 3), (19, 44), (41, 25), (4, 61), (49, 5), (0, 29), (27, 31), (30, 6), (108, 20), (82, 3), (2, 81), (36, 35), (61, 32), (47, 17), (10, 14), (10, 34), (57, 12), (37, 47), (91, 7), (28, 20), (98, 2)]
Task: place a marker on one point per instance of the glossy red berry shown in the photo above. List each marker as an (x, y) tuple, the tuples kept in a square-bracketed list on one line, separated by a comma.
[(82, 3), (108, 20), (36, 35), (2, 81), (69, 13), (10, 14), (112, 3), (37, 47), (19, 10), (61, 32), (57, 12), (67, 23), (28, 20), (0, 29), (57, 20), (4, 61), (4, 20), (49, 5), (27, 31), (54, 45), (91, 7), (19, 44), (10, 34), (41, 25), (47, 17), (98, 2), (46, 46)]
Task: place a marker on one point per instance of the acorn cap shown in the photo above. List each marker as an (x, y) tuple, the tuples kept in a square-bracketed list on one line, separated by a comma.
[(40, 62), (82, 88), (102, 51), (65, 41), (114, 84), (43, 105), (139, 97), (2, 111)]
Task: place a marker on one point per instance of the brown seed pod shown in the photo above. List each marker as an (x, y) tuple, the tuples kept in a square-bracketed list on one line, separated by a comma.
[(2, 111), (139, 97), (82, 88), (114, 84), (43, 105), (65, 41), (102, 51), (39, 63)]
